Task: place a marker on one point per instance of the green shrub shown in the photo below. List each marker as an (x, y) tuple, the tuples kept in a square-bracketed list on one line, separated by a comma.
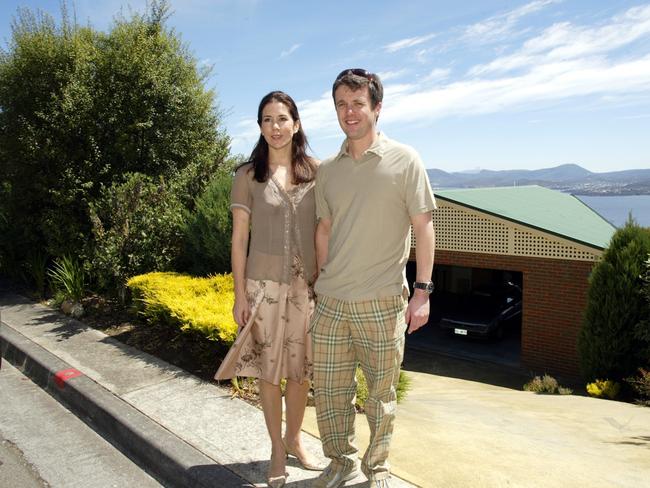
[(609, 342), (604, 389), (138, 228), (202, 305), (546, 384), (403, 385), (208, 228), (68, 278)]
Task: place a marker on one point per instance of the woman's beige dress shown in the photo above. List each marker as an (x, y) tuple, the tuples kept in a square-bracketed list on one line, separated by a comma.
[(274, 344)]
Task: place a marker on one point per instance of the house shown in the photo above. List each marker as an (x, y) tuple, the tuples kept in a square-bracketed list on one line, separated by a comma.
[(545, 240)]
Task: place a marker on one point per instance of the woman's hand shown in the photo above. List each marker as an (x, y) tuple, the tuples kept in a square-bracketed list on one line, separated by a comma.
[(241, 312)]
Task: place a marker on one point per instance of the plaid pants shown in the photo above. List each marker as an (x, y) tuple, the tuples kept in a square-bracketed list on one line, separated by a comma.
[(370, 333)]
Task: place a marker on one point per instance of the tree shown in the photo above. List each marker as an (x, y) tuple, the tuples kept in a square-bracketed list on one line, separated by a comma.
[(45, 92), (208, 228), (608, 345), (80, 108), (642, 329)]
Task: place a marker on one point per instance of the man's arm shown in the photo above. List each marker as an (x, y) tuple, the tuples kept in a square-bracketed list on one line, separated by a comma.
[(417, 312), (322, 238)]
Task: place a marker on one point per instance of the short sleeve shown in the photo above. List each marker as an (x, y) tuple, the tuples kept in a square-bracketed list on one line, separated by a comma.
[(418, 194), (322, 208), (240, 194)]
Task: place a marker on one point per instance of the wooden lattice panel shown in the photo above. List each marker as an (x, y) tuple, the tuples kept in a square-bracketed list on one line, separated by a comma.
[(531, 244), (462, 229)]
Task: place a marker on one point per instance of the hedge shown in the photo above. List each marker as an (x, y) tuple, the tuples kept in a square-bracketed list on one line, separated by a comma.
[(191, 303)]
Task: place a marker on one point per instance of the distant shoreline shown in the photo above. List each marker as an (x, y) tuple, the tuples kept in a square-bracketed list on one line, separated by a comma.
[(567, 178), (593, 194)]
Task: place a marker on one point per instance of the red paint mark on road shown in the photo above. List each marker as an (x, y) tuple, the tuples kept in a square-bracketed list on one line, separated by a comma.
[(60, 377)]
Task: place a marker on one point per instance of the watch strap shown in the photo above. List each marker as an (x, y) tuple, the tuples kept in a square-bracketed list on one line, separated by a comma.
[(426, 286)]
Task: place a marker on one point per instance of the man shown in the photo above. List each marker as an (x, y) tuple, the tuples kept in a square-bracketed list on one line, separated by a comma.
[(367, 197)]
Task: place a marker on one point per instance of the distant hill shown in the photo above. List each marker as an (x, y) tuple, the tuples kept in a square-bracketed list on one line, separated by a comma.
[(570, 178)]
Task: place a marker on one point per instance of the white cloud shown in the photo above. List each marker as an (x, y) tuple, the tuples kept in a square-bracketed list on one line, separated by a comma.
[(398, 89), (548, 82), (409, 42), (421, 56), (319, 116), (246, 134), (389, 75), (289, 51), (438, 74), (499, 26), (564, 41)]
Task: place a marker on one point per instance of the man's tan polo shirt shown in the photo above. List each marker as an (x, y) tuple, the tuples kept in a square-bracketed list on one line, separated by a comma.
[(370, 203)]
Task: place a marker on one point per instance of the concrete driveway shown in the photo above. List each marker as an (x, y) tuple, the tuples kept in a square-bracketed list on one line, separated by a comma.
[(468, 424)]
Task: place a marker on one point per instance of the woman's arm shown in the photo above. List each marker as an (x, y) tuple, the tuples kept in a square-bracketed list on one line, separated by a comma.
[(240, 232)]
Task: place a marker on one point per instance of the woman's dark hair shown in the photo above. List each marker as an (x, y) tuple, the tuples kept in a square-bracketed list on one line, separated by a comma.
[(302, 165)]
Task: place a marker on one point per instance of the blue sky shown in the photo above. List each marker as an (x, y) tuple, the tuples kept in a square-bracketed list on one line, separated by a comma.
[(470, 84)]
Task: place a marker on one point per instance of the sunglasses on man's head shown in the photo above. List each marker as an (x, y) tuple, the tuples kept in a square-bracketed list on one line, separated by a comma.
[(356, 71)]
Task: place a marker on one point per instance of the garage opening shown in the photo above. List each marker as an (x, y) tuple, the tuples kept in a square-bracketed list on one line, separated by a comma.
[(475, 314)]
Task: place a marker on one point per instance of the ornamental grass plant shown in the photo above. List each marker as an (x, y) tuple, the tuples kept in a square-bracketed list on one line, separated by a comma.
[(546, 384), (641, 385), (68, 278)]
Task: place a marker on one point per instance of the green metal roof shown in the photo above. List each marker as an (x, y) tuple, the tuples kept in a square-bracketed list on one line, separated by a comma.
[(547, 210)]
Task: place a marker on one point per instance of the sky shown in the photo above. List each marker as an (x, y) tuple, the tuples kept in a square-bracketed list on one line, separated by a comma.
[(472, 84)]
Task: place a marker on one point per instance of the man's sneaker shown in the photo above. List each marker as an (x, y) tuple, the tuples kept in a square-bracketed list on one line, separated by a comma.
[(333, 478), (383, 483)]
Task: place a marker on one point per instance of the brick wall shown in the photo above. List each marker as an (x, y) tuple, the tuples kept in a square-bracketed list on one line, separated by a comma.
[(555, 297)]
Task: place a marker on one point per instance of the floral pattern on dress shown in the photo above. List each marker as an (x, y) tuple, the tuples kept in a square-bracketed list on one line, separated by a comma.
[(275, 343)]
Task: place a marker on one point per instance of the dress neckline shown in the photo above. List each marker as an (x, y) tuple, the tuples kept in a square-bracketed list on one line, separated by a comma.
[(291, 191)]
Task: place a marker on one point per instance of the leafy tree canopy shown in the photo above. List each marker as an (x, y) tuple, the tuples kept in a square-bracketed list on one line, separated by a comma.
[(80, 108)]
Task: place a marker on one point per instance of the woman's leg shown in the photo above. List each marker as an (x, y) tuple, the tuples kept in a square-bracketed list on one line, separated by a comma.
[(296, 400), (271, 397)]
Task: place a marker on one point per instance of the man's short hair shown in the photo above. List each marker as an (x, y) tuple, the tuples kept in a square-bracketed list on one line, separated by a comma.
[(357, 78)]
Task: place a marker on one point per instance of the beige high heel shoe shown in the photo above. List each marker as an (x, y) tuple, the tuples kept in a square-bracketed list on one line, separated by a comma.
[(303, 462), (277, 481)]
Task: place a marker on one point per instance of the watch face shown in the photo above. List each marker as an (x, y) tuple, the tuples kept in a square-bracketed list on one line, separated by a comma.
[(424, 286)]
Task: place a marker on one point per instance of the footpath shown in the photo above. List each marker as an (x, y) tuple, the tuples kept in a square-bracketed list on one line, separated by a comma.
[(462, 424)]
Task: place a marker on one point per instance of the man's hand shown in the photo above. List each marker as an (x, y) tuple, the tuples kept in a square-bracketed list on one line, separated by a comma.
[(417, 312)]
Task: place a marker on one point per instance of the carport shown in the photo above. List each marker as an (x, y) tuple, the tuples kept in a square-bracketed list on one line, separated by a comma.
[(549, 239)]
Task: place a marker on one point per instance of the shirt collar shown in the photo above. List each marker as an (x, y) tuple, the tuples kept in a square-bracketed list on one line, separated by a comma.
[(377, 148)]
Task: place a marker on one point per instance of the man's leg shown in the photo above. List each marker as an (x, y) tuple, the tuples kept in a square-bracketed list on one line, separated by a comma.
[(334, 382), (378, 328)]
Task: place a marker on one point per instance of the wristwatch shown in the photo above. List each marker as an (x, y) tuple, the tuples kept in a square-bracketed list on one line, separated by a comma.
[(426, 286)]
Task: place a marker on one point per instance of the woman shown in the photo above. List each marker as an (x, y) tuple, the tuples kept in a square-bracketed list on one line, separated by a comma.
[(273, 197)]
